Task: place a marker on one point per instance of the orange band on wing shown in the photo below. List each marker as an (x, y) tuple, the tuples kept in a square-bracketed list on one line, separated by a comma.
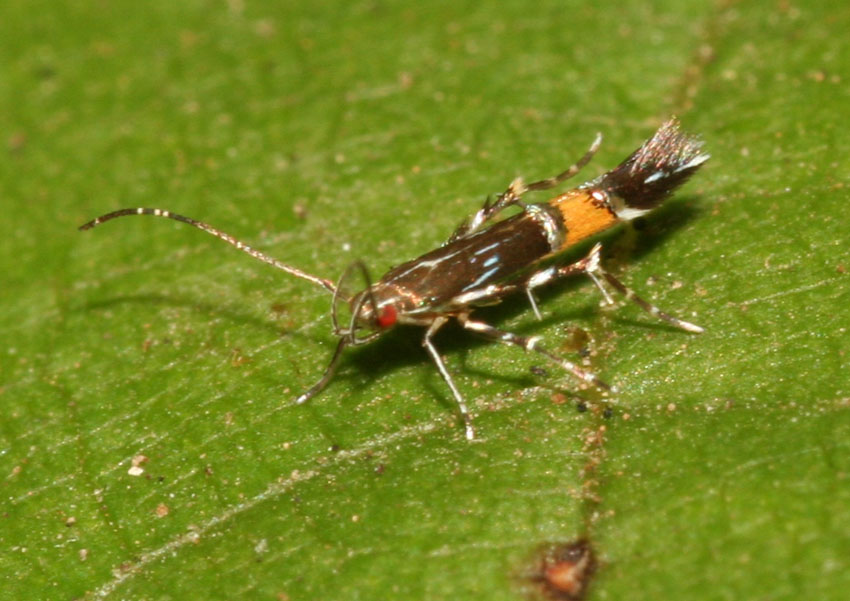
[(583, 215)]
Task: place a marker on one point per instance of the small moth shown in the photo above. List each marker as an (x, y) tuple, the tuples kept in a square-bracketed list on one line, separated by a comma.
[(487, 258)]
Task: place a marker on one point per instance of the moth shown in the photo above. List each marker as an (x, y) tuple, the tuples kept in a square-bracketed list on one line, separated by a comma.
[(490, 256)]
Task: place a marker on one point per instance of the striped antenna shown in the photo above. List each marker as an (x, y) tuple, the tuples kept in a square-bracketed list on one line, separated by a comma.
[(326, 284)]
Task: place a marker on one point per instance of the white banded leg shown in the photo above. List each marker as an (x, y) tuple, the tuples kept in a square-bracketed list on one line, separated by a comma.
[(591, 265), (595, 270), (545, 184), (435, 355), (537, 279), (514, 193), (530, 343), (587, 265), (508, 198)]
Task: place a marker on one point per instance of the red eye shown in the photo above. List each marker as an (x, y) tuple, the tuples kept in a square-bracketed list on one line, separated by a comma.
[(387, 316)]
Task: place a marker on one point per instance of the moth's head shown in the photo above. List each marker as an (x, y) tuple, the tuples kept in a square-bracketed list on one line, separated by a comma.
[(362, 316)]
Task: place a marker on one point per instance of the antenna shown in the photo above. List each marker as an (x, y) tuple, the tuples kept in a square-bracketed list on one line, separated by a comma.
[(326, 284)]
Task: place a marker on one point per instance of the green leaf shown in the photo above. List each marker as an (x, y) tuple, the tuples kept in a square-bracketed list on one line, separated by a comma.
[(327, 132)]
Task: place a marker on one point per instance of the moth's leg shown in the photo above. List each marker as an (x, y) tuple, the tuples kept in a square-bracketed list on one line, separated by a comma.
[(545, 184), (514, 193), (326, 377), (594, 269), (530, 343), (489, 211), (494, 292), (441, 367), (591, 265)]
